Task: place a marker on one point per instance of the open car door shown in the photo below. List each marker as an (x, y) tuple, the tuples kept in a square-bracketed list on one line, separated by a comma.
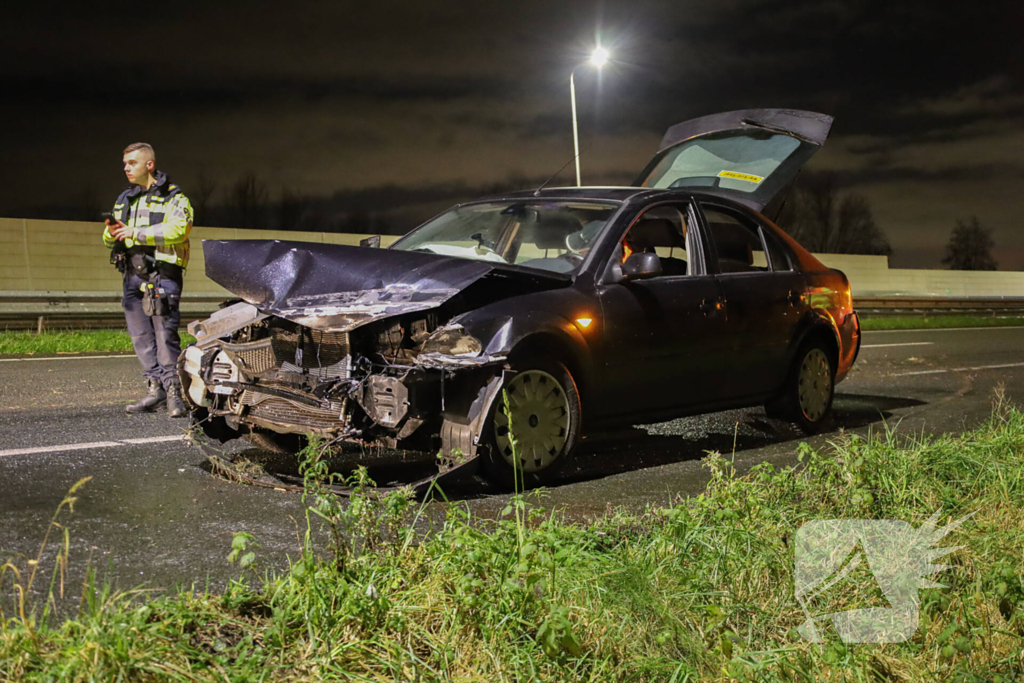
[(751, 155)]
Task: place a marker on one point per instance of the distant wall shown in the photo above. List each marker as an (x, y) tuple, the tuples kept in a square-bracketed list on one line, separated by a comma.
[(69, 256), (871, 275), (56, 256)]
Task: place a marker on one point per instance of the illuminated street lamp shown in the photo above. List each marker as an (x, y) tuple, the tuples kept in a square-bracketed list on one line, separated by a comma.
[(597, 59)]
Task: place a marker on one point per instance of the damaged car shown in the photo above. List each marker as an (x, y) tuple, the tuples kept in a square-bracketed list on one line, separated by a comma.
[(504, 330)]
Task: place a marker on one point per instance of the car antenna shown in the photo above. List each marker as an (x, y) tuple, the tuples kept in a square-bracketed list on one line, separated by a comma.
[(536, 193)]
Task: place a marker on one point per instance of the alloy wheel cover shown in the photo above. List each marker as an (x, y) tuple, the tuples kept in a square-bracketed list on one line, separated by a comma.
[(815, 385), (540, 421)]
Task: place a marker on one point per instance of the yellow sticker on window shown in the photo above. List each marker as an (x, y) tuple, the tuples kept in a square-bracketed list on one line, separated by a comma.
[(740, 176)]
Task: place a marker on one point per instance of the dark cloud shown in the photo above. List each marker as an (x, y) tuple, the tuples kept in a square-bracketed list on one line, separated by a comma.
[(897, 174), (334, 97), (155, 93)]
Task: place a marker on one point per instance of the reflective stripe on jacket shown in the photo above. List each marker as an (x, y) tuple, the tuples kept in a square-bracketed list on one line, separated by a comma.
[(161, 217)]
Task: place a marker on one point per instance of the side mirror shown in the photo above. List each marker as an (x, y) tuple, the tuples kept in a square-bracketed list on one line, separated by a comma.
[(640, 266), (373, 242)]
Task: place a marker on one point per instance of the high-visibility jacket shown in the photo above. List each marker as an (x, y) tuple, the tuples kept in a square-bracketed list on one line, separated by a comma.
[(161, 218)]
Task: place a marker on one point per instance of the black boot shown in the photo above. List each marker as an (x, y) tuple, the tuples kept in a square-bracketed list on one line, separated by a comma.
[(151, 401), (175, 406)]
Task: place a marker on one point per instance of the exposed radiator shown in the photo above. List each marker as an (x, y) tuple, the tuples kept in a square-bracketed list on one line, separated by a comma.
[(296, 416), (257, 357), (323, 355), (320, 354)]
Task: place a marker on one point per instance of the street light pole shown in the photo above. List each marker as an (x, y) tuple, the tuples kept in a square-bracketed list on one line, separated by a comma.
[(597, 59), (575, 134)]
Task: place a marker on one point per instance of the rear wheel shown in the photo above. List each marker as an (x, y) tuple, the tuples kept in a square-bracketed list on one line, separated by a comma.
[(807, 396), (533, 432)]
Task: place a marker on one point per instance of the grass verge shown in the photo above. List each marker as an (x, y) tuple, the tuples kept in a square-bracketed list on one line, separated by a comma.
[(917, 322), (702, 590), (50, 342)]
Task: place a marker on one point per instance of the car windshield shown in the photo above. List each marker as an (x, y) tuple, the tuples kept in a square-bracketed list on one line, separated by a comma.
[(547, 235)]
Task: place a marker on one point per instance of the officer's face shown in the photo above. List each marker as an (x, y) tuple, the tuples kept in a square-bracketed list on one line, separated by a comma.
[(137, 166)]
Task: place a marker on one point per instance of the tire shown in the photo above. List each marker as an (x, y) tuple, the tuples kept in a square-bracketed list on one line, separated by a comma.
[(806, 399), (545, 410), (278, 444)]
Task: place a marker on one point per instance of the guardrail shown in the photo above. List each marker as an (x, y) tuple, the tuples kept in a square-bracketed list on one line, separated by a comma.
[(78, 310), (874, 306), (63, 310)]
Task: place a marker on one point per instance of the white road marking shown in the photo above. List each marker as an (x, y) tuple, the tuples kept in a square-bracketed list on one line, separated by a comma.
[(65, 447), (155, 439), (977, 367), (919, 372), (16, 360), (92, 444), (879, 346), (949, 329)]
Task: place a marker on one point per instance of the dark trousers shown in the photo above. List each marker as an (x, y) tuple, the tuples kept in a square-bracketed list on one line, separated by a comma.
[(155, 338)]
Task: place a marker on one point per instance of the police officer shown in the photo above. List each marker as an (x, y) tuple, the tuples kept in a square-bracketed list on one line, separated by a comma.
[(148, 235)]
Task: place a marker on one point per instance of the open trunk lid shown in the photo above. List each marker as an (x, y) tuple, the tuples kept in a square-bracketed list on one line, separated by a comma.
[(751, 155)]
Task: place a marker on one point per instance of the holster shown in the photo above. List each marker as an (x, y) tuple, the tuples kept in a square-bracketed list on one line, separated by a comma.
[(155, 299), (142, 260), (119, 257)]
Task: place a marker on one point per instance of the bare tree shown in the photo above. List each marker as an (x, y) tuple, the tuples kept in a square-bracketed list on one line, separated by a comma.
[(247, 203), (200, 197), (970, 247), (823, 218), (290, 210), (358, 221)]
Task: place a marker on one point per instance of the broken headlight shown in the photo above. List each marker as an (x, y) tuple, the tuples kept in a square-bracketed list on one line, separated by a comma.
[(451, 341)]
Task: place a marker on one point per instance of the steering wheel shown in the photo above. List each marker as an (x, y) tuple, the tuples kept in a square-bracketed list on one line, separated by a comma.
[(578, 247), (572, 257)]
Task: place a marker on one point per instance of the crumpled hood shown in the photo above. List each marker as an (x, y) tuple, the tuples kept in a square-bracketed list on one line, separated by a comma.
[(335, 287)]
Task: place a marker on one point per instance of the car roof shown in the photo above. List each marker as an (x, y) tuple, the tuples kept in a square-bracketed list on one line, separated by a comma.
[(617, 194)]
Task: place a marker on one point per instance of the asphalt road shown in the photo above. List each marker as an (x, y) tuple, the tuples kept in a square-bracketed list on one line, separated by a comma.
[(152, 516)]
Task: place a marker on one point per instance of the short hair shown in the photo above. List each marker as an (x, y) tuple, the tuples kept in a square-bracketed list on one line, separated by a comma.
[(135, 146)]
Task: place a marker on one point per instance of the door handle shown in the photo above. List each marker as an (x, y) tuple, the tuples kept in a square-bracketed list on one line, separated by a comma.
[(707, 307)]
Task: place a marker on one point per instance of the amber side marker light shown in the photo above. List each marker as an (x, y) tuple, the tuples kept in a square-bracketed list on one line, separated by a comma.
[(584, 322)]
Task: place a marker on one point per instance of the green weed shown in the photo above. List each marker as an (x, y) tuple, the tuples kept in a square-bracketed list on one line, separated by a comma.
[(695, 591), (51, 342), (927, 322)]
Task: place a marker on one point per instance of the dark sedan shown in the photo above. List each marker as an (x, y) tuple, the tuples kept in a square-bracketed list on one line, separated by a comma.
[(504, 329)]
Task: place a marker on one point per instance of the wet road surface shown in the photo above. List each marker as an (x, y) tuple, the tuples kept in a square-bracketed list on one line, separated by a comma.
[(152, 516)]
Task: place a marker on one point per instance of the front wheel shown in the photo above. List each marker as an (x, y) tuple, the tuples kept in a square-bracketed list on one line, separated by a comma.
[(807, 396), (534, 425)]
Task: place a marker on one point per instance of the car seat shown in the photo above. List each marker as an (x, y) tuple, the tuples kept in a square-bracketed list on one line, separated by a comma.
[(649, 233), (735, 253)]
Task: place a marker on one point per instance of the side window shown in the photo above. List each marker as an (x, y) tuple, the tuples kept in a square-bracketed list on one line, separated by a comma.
[(737, 241), (776, 252), (661, 230)]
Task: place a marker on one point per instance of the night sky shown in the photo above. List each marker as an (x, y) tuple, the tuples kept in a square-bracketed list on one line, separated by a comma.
[(322, 98)]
